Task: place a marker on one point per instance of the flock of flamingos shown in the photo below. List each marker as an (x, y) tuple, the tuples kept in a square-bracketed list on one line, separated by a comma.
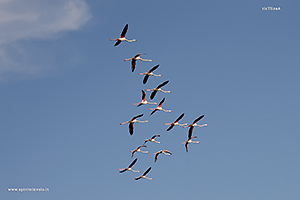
[(158, 108)]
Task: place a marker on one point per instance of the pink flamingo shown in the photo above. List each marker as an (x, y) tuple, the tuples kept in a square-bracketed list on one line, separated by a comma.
[(144, 175), (135, 58), (158, 89), (132, 121), (152, 139), (122, 37), (190, 137), (149, 73), (175, 123), (138, 150), (195, 124), (129, 168), (144, 101), (159, 107), (166, 152)]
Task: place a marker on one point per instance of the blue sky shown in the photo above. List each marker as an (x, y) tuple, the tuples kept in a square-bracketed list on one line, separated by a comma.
[(65, 89)]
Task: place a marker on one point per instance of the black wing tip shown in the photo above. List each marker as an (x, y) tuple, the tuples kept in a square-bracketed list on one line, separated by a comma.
[(153, 68), (162, 101), (153, 112), (153, 94), (145, 79), (117, 43), (138, 116), (170, 127)]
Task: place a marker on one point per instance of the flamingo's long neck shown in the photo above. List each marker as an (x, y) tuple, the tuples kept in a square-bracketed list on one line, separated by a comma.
[(149, 89)]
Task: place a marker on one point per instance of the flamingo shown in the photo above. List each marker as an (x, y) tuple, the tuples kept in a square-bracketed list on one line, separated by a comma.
[(158, 89), (190, 137), (195, 124), (149, 73), (144, 175), (176, 122), (144, 101), (129, 168), (166, 152), (132, 121), (122, 37), (135, 58), (138, 150), (152, 139), (159, 107)]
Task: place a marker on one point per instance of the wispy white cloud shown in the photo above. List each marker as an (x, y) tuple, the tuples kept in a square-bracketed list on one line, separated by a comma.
[(35, 19)]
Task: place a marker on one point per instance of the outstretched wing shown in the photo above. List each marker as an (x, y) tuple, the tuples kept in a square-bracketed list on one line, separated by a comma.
[(118, 42), (131, 128), (153, 111), (132, 163), (154, 136), (137, 55), (196, 120), (187, 147), (179, 118), (156, 156), (139, 104), (133, 64), (143, 95), (162, 101), (163, 84), (190, 132), (170, 127), (137, 116), (145, 78), (154, 68), (133, 152), (153, 94), (124, 31), (124, 170), (146, 172), (166, 151)]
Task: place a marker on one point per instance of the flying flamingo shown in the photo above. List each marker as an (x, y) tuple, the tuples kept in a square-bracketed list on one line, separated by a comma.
[(144, 175), (122, 37), (129, 168), (135, 58), (132, 121), (195, 124), (144, 101), (190, 137), (166, 152), (152, 139), (138, 150), (159, 107), (176, 122), (158, 89), (149, 73)]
